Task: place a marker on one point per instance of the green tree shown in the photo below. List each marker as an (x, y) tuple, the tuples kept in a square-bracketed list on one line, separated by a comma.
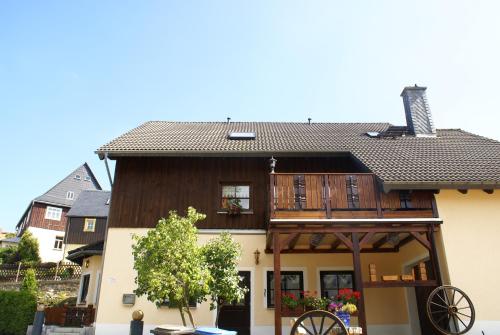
[(170, 265), (221, 256), (30, 284), (9, 255), (28, 248)]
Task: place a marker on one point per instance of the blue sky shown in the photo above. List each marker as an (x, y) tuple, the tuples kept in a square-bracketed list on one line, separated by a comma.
[(75, 74)]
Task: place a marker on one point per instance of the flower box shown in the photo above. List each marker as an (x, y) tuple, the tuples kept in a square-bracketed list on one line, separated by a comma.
[(292, 312)]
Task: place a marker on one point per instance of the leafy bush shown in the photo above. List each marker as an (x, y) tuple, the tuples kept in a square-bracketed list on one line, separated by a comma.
[(17, 310), (9, 255), (30, 284), (28, 248), (52, 298)]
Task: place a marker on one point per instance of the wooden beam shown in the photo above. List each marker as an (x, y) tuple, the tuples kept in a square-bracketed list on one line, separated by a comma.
[(366, 239), (358, 281), (269, 240), (336, 244), (422, 240), (289, 239), (277, 285), (333, 251), (315, 240), (335, 229), (344, 240), (399, 283), (433, 255), (293, 242), (326, 183), (380, 242), (378, 199), (405, 241)]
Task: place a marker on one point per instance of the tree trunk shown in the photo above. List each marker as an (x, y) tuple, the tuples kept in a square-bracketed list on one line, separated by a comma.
[(182, 315), (219, 305), (186, 304)]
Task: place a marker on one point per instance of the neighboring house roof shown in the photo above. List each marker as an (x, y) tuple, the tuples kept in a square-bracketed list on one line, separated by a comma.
[(91, 203), (454, 158), (11, 240), (57, 194), (77, 255)]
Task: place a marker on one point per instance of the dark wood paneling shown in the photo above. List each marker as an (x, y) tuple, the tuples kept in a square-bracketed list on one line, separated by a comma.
[(38, 220), (146, 189), (76, 235)]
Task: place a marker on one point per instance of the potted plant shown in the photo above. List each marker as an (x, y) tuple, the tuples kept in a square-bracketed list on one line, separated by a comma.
[(234, 206), (348, 300), (291, 305), (312, 302)]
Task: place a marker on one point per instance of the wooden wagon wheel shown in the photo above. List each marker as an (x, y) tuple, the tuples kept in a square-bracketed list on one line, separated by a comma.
[(318, 323), (450, 310)]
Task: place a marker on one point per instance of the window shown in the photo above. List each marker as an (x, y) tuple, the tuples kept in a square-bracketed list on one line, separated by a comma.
[(241, 136), (291, 282), (239, 193), (87, 178), (53, 213), (84, 289), (89, 225), (78, 177), (405, 199), (166, 303), (332, 281), (352, 192), (70, 195), (58, 243)]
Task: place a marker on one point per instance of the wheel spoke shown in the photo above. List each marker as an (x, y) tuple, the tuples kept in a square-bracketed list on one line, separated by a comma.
[(329, 328), (439, 311), (440, 297), (460, 320), (453, 298), (305, 328), (313, 325), (466, 307), (435, 303), (459, 300), (321, 325), (464, 314), (441, 319)]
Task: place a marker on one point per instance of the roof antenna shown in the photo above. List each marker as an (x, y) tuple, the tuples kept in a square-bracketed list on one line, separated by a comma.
[(309, 120), (228, 120)]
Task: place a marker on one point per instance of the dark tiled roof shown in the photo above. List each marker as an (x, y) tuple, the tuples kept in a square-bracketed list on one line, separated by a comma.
[(453, 158), (77, 255), (57, 194), (93, 203)]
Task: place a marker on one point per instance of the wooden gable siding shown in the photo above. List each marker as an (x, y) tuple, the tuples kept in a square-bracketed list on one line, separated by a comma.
[(38, 220), (76, 235), (146, 189)]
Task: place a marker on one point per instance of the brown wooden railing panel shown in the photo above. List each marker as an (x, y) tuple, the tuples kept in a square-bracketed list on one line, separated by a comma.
[(314, 192), (338, 191), (366, 192), (70, 316), (284, 192), (48, 271)]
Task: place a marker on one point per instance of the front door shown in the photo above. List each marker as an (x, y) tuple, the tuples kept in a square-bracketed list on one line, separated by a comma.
[(236, 315)]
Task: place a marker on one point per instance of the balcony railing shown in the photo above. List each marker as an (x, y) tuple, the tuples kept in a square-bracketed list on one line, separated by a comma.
[(342, 195)]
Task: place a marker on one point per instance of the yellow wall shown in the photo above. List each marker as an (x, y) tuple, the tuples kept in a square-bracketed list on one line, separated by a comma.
[(470, 233), (383, 306)]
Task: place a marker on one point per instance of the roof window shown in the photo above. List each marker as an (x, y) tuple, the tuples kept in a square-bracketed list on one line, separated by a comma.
[(373, 134), (241, 136), (87, 178), (78, 177)]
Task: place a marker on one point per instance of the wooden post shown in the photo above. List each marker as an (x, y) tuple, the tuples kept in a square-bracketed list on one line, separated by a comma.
[(271, 195), (378, 200), (358, 281), (18, 270), (277, 284), (433, 255), (326, 184), (57, 269)]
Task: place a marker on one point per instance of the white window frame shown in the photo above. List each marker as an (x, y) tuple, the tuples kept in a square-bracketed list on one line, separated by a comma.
[(78, 177), (53, 213), (87, 178), (59, 240), (70, 195), (92, 222)]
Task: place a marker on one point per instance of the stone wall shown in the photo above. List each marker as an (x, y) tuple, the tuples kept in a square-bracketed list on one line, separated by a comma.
[(69, 286)]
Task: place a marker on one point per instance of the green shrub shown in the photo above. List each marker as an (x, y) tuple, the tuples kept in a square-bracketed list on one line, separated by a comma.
[(17, 311), (30, 283), (28, 249)]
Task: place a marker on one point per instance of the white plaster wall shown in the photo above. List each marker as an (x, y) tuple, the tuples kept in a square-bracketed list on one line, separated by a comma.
[(46, 239)]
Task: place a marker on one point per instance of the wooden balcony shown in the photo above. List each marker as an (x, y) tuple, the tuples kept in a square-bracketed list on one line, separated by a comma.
[(342, 196)]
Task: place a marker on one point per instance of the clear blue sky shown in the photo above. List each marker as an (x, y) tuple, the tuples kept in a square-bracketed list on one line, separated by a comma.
[(75, 74)]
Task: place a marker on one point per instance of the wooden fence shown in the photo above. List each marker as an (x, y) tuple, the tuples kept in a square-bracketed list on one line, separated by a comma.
[(44, 271), (70, 316)]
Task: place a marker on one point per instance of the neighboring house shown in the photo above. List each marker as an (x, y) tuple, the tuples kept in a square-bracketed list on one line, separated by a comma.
[(9, 242), (339, 197), (87, 219), (45, 216), (84, 240)]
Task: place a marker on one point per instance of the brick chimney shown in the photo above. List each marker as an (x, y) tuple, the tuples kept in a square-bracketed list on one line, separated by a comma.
[(418, 114)]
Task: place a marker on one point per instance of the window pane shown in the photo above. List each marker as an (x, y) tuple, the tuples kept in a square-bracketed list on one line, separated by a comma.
[(242, 191), (291, 282), (345, 281), (245, 203), (330, 281), (228, 191)]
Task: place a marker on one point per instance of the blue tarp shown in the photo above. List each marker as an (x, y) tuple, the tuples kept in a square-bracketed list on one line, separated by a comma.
[(212, 331)]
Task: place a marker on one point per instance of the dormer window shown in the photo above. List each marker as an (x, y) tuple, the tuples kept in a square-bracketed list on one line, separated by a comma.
[(87, 178), (70, 195), (241, 136), (78, 177)]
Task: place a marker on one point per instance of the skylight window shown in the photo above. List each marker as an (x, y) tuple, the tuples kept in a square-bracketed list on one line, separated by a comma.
[(373, 134), (241, 136)]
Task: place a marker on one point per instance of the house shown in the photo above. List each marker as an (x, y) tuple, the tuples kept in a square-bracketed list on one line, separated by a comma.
[(322, 204), (84, 240), (45, 216), (9, 242)]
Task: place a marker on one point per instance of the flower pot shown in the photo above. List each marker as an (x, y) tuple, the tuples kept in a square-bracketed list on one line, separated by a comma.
[(345, 317), (292, 312), (234, 210)]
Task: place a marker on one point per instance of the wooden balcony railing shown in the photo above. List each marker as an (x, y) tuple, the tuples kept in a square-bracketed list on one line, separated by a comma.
[(342, 195)]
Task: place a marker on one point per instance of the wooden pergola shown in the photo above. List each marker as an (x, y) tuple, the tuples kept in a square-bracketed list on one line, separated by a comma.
[(353, 236)]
